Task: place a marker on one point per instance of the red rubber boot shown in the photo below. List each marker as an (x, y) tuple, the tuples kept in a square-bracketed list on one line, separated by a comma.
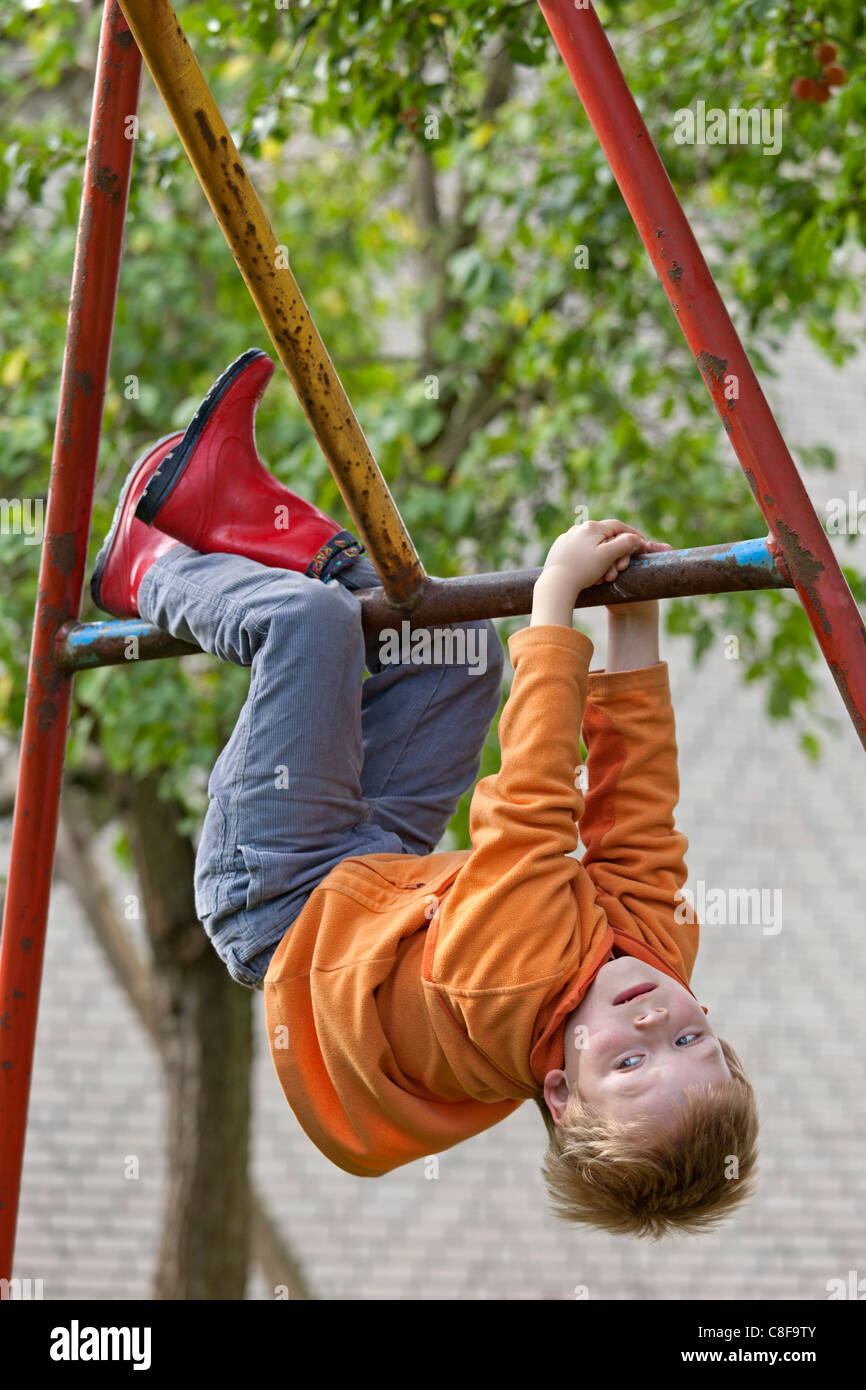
[(213, 493), (131, 547)]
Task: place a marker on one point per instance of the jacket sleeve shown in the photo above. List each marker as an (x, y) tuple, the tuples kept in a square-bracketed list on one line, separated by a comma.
[(634, 854), (513, 918)]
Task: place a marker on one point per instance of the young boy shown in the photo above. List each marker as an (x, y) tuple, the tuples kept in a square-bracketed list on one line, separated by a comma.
[(415, 998)]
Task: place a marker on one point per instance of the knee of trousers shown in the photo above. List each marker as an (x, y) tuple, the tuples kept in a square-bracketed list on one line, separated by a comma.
[(325, 603), (330, 595)]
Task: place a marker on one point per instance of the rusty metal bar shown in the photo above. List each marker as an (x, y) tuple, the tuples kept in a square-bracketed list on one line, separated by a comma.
[(61, 577), (708, 569), (263, 262), (795, 529)]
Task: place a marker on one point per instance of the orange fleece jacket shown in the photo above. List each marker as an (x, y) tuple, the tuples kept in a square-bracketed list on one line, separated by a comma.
[(420, 999)]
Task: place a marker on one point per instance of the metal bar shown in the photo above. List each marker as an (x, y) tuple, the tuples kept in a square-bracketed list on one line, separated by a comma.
[(61, 577), (709, 569), (771, 472), (81, 646), (263, 262)]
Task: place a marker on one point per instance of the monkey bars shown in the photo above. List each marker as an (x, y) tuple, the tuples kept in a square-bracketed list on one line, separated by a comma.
[(795, 551)]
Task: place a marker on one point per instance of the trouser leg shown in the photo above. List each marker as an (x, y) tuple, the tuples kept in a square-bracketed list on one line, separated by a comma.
[(425, 721), (320, 765), (286, 803)]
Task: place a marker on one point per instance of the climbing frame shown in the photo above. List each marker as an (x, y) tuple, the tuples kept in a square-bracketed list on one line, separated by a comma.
[(795, 551)]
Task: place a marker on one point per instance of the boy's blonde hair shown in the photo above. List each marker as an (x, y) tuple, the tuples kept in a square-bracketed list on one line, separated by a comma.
[(633, 1178)]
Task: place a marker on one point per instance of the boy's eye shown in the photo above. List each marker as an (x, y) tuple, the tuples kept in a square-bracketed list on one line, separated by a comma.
[(621, 1066)]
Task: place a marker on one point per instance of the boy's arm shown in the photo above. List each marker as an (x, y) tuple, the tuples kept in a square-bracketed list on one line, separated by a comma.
[(523, 907), (513, 916), (634, 853)]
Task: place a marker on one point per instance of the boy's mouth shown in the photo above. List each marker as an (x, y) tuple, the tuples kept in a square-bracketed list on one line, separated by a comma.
[(633, 993)]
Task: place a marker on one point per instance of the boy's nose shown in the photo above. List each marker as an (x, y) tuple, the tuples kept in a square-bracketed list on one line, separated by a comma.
[(650, 1016)]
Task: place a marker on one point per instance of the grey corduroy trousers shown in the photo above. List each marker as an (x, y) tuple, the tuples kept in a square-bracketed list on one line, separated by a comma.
[(322, 763)]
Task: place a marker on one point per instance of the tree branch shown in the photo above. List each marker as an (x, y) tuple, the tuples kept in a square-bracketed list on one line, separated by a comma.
[(436, 251), (486, 401)]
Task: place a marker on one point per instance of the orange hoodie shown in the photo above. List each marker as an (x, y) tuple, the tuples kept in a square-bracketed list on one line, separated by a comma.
[(419, 999)]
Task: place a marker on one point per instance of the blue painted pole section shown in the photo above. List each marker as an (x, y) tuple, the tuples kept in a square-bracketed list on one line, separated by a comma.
[(754, 553)]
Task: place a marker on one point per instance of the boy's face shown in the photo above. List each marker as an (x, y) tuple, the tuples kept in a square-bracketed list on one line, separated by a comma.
[(634, 1058)]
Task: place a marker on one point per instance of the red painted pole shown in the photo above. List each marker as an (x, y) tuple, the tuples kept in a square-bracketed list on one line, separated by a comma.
[(61, 579), (795, 530)]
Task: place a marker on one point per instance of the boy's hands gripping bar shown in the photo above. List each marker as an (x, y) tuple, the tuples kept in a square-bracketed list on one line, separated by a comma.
[(592, 553)]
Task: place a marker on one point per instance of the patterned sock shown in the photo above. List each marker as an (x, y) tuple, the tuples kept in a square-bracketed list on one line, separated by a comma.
[(344, 558), (335, 555), (360, 574)]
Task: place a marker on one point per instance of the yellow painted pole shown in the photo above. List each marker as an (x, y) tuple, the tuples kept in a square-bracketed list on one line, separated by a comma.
[(263, 262)]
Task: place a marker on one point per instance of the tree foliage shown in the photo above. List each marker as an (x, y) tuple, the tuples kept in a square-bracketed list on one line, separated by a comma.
[(432, 172)]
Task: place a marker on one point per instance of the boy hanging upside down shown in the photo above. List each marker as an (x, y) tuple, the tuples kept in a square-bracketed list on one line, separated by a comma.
[(415, 998)]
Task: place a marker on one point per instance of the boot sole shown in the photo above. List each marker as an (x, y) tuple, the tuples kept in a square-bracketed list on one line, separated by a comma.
[(105, 549), (170, 471)]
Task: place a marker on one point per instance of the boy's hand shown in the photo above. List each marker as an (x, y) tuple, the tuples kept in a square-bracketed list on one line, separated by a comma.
[(645, 610), (596, 552)]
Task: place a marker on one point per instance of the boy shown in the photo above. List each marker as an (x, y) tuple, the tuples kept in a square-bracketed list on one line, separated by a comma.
[(415, 998)]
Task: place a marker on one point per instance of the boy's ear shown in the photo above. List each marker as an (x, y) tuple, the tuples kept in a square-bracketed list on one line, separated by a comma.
[(557, 1090)]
